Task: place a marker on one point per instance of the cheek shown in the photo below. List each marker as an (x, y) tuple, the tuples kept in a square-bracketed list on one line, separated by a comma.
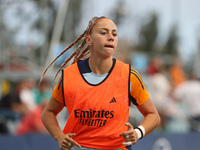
[(99, 41), (116, 40)]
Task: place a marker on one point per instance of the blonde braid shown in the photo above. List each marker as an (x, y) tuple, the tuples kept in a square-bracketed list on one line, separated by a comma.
[(84, 53), (63, 65), (76, 54), (70, 46), (78, 50)]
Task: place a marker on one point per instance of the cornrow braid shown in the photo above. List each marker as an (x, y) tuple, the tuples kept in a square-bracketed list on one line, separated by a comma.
[(69, 58), (78, 53), (79, 50), (84, 53), (74, 54), (70, 46), (63, 65)]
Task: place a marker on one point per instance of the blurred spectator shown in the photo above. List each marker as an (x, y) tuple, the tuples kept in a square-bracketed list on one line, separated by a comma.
[(36, 98), (175, 112), (159, 88), (154, 65), (31, 122), (5, 87), (188, 93), (26, 95), (11, 108), (176, 73), (42, 93), (19, 112)]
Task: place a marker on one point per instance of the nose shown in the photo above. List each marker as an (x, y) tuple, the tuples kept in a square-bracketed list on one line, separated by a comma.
[(110, 37)]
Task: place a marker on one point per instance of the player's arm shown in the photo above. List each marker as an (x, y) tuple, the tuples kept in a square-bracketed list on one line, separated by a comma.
[(141, 99), (54, 106), (49, 117), (151, 121), (151, 117), (49, 120)]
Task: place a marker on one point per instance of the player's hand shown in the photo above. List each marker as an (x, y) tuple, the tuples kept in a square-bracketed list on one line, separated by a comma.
[(66, 142), (130, 135)]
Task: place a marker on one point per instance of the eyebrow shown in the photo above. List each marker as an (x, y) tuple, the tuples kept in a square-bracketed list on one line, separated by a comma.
[(108, 29)]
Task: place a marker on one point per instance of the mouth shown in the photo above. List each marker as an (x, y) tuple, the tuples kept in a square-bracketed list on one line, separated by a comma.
[(109, 46)]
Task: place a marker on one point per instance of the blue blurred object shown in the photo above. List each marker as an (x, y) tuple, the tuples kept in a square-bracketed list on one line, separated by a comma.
[(139, 62), (129, 147), (184, 141)]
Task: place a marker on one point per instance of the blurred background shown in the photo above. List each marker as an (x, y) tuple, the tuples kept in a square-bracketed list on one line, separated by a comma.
[(160, 39)]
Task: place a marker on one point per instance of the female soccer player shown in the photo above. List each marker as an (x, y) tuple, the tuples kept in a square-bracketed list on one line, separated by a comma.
[(97, 92)]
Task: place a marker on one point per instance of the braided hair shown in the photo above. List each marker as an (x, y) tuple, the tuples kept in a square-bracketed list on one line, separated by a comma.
[(79, 53)]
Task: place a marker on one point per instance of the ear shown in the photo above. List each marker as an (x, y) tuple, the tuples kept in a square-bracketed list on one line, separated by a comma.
[(88, 40)]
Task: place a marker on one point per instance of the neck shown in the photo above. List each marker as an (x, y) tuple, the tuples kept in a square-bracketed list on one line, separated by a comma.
[(100, 66)]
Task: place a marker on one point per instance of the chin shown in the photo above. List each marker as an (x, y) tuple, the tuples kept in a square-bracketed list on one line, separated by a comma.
[(107, 56)]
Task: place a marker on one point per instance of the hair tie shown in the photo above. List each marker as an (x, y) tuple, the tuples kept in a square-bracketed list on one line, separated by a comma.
[(94, 24)]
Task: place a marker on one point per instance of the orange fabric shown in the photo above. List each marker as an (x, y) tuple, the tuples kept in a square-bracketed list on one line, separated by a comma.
[(58, 91), (177, 75), (97, 114), (138, 90), (73, 80)]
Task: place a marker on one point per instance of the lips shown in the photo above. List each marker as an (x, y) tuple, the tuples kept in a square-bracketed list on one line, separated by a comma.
[(109, 46)]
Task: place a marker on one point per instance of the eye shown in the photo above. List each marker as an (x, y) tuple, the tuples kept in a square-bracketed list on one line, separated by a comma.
[(103, 33), (114, 34)]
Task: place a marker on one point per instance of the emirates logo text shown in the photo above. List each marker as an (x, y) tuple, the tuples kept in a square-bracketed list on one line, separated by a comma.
[(93, 117)]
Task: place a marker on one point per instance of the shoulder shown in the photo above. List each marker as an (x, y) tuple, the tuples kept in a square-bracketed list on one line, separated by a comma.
[(135, 77), (138, 93)]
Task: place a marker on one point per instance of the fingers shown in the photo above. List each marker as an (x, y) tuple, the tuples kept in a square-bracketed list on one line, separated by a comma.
[(66, 145), (67, 142), (127, 134), (129, 126), (129, 130), (130, 135), (71, 135), (71, 141), (74, 143), (127, 143)]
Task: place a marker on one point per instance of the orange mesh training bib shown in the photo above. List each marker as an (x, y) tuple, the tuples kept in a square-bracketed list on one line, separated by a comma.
[(97, 113)]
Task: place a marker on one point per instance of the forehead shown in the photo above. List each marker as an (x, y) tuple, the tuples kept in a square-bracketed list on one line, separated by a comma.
[(105, 23)]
